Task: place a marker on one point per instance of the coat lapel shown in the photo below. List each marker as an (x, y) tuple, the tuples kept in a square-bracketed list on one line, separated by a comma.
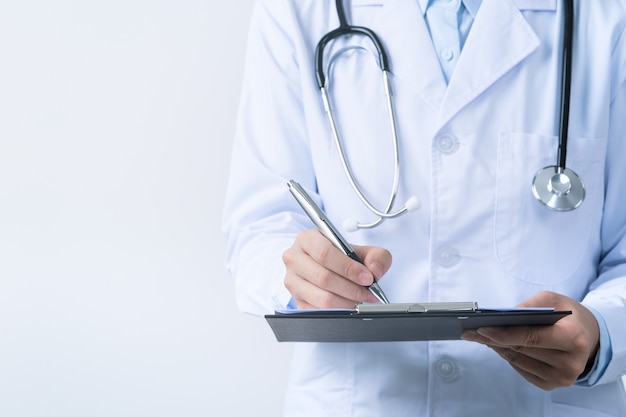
[(499, 40), (411, 55)]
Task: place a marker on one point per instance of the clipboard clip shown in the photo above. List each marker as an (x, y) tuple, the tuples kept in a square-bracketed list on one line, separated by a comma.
[(461, 306)]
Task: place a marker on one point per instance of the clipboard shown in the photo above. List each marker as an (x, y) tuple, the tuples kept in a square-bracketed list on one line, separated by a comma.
[(400, 322)]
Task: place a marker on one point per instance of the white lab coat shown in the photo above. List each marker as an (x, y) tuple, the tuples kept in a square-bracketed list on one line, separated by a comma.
[(469, 150)]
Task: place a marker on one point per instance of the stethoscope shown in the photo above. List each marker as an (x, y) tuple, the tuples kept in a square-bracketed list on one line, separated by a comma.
[(555, 186)]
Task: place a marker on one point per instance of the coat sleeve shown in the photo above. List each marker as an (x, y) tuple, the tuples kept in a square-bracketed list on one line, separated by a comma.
[(607, 294), (260, 218)]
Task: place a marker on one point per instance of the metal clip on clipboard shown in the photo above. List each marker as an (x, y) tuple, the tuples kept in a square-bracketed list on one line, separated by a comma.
[(460, 306)]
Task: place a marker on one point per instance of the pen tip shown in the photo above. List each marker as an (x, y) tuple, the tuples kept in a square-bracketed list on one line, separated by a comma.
[(378, 293)]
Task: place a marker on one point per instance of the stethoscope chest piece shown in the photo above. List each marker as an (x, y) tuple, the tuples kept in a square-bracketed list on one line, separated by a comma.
[(560, 189)]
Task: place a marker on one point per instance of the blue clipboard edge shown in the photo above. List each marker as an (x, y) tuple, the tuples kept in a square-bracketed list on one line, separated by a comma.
[(348, 327)]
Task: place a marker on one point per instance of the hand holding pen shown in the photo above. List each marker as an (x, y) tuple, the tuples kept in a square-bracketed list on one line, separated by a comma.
[(318, 277)]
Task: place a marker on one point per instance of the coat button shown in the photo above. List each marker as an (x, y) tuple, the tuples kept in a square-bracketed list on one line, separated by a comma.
[(446, 54), (446, 368), (447, 144), (447, 256)]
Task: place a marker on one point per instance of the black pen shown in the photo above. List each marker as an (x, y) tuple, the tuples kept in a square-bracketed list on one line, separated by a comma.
[(320, 220)]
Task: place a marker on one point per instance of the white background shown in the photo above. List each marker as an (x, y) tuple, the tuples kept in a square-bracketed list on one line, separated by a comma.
[(116, 121)]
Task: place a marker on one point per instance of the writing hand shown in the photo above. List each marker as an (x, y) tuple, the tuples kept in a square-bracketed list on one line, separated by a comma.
[(318, 275)]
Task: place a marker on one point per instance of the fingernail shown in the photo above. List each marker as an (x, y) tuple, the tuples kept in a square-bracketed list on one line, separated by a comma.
[(377, 270), (469, 335), (486, 332), (365, 278)]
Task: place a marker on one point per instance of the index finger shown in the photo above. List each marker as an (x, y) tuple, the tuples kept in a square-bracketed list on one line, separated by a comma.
[(333, 259), (541, 337)]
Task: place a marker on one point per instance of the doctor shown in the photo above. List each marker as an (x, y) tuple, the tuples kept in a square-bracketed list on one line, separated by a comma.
[(476, 92)]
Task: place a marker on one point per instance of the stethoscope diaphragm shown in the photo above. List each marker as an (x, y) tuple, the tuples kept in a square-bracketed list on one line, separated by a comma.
[(560, 189)]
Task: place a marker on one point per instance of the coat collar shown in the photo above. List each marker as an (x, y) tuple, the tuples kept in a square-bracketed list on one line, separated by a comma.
[(472, 6), (499, 40)]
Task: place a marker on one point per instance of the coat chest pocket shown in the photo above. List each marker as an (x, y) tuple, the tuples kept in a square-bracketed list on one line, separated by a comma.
[(533, 243)]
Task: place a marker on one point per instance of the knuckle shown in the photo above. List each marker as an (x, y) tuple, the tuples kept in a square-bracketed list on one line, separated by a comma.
[(581, 344), (510, 356), (571, 371), (546, 386), (321, 253), (288, 256), (517, 348), (565, 374), (288, 282), (565, 380), (325, 300), (291, 282), (506, 353), (531, 339), (323, 278), (360, 294)]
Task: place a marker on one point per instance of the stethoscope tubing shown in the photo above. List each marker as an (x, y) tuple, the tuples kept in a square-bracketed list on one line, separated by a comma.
[(566, 82), (348, 170), (548, 182), (346, 30), (558, 187), (343, 30)]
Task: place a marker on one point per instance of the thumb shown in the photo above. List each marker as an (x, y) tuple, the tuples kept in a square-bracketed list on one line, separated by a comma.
[(376, 259), (543, 299)]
